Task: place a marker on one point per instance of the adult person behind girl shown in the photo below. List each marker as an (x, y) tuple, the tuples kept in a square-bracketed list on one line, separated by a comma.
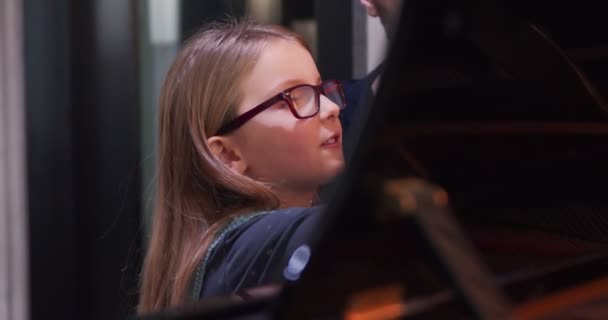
[(360, 92), (248, 132)]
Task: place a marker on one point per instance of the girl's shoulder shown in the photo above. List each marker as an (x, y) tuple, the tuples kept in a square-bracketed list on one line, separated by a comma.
[(255, 250)]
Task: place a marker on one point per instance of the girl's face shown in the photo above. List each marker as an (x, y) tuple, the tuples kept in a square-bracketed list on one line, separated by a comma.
[(293, 155)]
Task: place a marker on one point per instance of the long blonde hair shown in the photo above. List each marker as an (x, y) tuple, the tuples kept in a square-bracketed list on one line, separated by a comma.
[(196, 193)]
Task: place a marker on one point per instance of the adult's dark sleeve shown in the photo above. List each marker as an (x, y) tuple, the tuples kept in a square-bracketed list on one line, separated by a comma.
[(358, 94), (258, 252)]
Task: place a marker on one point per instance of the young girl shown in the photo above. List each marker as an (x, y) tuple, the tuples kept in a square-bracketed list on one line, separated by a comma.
[(248, 133)]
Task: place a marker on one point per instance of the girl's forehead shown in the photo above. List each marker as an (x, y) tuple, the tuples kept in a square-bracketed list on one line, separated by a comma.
[(285, 56), (281, 64)]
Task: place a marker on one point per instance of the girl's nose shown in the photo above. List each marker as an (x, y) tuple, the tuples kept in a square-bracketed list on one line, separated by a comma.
[(328, 108)]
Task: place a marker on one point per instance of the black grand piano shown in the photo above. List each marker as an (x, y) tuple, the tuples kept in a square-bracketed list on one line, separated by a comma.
[(477, 183)]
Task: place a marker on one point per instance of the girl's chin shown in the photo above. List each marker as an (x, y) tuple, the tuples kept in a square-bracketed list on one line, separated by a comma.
[(333, 171)]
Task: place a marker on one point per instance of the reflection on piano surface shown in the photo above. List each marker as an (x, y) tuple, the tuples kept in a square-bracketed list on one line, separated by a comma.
[(501, 104)]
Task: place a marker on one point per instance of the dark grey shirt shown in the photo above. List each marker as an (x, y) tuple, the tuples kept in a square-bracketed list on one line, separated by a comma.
[(257, 250)]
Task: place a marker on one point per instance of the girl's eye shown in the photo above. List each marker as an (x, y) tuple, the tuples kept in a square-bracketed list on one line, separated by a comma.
[(296, 101), (281, 105)]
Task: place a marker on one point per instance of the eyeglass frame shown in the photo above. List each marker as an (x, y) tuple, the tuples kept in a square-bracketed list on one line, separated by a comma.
[(283, 96)]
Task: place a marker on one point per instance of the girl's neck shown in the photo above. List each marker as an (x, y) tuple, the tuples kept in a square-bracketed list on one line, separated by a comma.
[(289, 199)]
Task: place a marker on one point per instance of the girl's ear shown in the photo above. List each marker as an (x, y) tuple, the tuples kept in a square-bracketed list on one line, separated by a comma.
[(225, 150)]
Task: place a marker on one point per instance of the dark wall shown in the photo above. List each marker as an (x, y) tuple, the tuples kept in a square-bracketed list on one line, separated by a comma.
[(106, 140), (335, 41), (83, 156), (52, 225), (195, 13)]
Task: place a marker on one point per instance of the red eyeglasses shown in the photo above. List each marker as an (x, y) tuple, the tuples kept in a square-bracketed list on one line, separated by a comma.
[(302, 100)]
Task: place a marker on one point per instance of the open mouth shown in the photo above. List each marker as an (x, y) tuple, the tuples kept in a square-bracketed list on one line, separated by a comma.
[(333, 140)]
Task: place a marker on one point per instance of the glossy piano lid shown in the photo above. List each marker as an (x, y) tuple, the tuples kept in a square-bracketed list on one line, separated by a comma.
[(502, 103)]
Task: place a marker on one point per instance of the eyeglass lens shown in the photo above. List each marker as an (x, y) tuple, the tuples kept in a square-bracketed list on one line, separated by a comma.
[(304, 98), (332, 91)]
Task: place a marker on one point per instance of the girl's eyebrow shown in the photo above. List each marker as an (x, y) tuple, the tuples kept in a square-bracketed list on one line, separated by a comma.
[(293, 82)]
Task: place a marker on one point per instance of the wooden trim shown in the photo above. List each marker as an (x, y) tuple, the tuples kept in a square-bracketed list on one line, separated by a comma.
[(562, 301), (13, 215)]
